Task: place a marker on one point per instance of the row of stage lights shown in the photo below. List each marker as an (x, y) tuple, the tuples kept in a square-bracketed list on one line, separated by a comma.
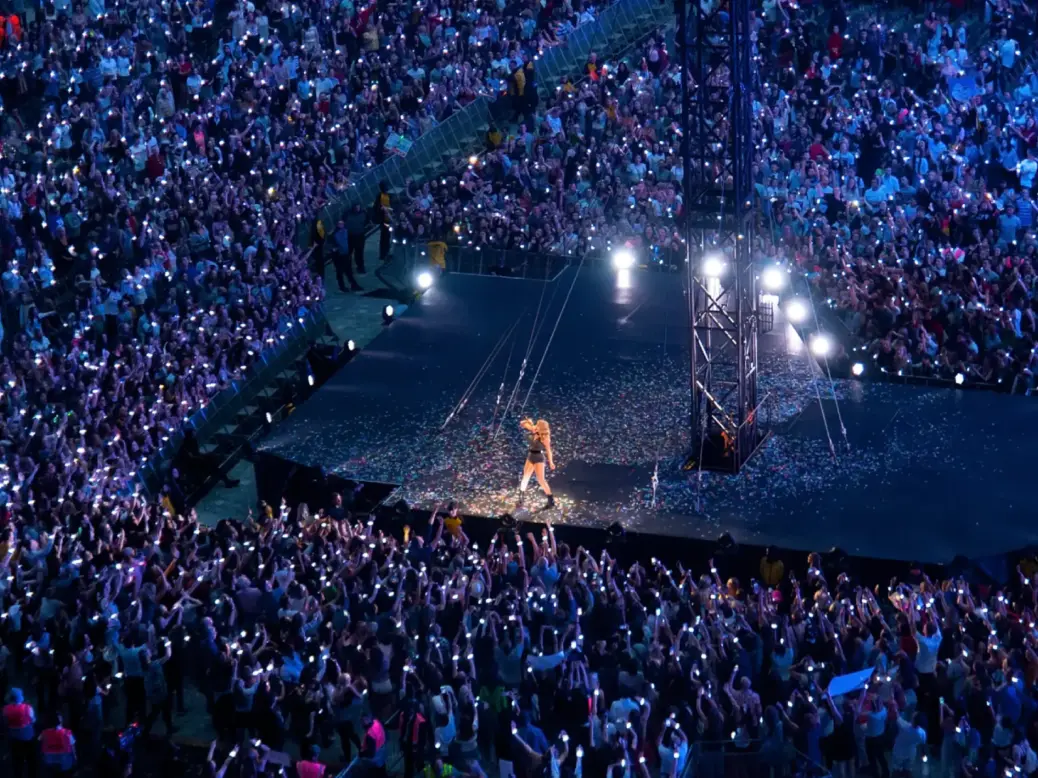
[(774, 279), (798, 310)]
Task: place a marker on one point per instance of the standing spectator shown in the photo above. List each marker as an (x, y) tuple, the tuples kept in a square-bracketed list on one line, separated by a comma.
[(156, 689), (133, 672), (310, 767), (383, 214), (58, 747), (343, 266), (19, 725), (356, 228)]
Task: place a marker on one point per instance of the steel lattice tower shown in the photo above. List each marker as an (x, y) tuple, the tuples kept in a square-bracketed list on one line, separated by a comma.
[(717, 57)]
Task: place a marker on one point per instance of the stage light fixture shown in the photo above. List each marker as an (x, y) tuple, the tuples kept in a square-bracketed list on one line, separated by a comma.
[(713, 265), (960, 379), (351, 346), (425, 280), (270, 419), (310, 379), (821, 345), (857, 369), (796, 310), (623, 259), (773, 278), (387, 314)]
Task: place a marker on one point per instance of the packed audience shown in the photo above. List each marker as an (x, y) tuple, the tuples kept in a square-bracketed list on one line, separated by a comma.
[(160, 176), (895, 167), (156, 173), (315, 635)]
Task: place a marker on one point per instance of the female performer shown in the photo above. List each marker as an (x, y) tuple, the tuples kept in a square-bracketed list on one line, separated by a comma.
[(540, 446)]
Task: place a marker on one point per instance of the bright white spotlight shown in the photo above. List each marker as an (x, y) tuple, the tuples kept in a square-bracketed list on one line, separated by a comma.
[(713, 265), (773, 278), (425, 279), (270, 418), (857, 369), (623, 259), (387, 314), (796, 310), (960, 379), (821, 345), (310, 379), (351, 346)]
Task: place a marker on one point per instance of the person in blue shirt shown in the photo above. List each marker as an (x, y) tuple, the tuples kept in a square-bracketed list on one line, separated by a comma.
[(1008, 224)]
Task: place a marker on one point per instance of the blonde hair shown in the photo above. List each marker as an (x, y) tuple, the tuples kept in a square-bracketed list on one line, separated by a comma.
[(542, 430)]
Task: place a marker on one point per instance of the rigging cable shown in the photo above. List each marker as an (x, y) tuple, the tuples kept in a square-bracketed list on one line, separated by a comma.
[(535, 334), (828, 372), (466, 395), (501, 388), (547, 346)]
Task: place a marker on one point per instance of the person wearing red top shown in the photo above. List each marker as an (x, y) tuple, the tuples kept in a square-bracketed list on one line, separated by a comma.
[(310, 767), (835, 44), (58, 748), (19, 729), (155, 166), (818, 150)]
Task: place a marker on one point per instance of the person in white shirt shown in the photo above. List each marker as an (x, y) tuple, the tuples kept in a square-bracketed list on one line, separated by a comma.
[(929, 641)]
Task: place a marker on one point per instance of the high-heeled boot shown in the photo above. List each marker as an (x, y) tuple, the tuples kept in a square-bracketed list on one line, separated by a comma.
[(551, 501)]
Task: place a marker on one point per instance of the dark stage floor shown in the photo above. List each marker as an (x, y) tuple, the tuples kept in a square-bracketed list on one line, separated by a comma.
[(923, 474)]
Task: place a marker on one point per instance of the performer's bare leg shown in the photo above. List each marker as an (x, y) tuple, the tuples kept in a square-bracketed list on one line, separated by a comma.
[(539, 472), (528, 470)]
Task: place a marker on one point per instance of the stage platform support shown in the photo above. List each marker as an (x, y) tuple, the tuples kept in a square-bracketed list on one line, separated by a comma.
[(717, 55)]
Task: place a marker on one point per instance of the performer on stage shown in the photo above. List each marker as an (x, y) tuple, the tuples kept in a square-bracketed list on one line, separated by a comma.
[(540, 447)]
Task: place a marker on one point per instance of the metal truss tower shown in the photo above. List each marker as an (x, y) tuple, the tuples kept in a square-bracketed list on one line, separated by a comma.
[(717, 57)]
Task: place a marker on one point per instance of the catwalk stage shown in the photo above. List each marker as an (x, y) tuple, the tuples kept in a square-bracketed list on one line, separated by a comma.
[(924, 474)]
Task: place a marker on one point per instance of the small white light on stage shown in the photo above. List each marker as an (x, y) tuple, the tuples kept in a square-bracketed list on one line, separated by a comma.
[(351, 346), (773, 278), (796, 310), (270, 419), (623, 259), (960, 379), (713, 265), (425, 279), (310, 379), (821, 345), (857, 368), (387, 314), (623, 279)]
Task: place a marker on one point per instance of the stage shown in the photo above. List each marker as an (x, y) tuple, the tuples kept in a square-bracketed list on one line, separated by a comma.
[(923, 474)]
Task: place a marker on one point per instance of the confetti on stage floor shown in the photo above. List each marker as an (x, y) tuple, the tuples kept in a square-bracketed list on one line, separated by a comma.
[(926, 473)]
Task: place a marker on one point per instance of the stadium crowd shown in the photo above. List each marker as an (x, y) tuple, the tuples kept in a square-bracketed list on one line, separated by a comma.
[(155, 174), (895, 168), (317, 632), (159, 176)]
